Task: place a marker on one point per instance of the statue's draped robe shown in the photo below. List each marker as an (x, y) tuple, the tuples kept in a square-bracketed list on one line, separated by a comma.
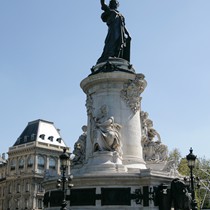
[(117, 43), (107, 136)]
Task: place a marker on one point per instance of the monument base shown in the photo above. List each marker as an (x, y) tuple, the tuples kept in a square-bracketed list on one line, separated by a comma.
[(116, 191)]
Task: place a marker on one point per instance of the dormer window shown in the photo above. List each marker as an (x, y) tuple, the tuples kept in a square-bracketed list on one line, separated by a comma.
[(25, 138), (50, 138), (59, 140), (42, 136), (33, 137), (18, 140)]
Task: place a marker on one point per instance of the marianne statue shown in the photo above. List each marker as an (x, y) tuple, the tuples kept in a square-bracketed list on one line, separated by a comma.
[(117, 42)]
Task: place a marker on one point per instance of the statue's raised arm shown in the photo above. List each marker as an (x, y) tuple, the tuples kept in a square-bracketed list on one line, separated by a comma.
[(104, 6), (102, 3), (117, 42)]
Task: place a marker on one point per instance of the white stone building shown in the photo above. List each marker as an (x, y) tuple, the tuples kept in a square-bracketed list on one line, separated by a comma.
[(34, 156)]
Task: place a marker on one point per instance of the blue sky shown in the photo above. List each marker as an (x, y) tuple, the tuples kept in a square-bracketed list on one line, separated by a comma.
[(47, 48)]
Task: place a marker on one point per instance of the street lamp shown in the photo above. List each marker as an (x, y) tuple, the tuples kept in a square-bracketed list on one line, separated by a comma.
[(65, 162), (191, 164)]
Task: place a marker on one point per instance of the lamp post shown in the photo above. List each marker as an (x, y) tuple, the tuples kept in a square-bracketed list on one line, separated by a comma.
[(191, 164), (65, 162)]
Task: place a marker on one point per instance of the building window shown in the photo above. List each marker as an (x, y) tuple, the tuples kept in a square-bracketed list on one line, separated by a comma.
[(18, 188), (9, 203), (52, 163), (27, 187), (39, 187), (30, 162), (10, 188), (18, 204), (39, 203), (41, 164), (21, 163), (12, 165), (26, 203)]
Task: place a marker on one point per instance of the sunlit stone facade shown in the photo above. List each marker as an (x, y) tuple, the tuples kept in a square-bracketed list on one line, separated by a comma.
[(34, 156)]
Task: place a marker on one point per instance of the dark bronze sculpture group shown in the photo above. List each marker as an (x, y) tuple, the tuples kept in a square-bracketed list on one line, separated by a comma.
[(117, 42), (180, 195)]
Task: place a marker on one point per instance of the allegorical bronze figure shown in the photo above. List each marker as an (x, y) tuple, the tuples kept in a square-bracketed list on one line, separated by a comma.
[(117, 42)]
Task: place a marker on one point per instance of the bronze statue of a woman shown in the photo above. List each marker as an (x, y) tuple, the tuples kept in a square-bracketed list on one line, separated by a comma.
[(117, 42)]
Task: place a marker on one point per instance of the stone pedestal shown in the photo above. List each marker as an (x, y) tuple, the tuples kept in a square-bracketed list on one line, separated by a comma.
[(116, 86)]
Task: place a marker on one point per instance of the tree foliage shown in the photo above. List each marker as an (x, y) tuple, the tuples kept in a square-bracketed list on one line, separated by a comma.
[(175, 155), (183, 167), (202, 171), (201, 178)]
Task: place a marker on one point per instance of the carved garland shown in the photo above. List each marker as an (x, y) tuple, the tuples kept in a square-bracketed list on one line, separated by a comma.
[(131, 92), (89, 105)]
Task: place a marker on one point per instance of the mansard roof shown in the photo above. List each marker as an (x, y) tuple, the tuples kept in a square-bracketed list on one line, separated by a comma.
[(42, 131)]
